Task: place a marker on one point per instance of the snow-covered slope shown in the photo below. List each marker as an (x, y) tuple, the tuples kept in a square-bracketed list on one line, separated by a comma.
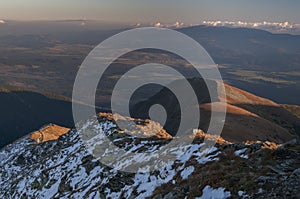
[(64, 168)]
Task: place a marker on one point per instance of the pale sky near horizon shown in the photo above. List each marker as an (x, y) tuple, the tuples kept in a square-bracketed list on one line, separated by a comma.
[(187, 11)]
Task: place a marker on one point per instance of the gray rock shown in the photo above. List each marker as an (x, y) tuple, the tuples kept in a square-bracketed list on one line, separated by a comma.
[(169, 196), (296, 172)]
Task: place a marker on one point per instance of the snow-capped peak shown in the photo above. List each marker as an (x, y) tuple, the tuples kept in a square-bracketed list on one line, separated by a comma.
[(264, 25)]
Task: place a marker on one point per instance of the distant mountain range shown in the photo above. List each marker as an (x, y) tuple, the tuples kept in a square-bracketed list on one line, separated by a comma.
[(250, 59), (274, 27)]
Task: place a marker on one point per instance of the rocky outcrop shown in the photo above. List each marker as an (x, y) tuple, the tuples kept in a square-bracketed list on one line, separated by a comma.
[(64, 168), (48, 132)]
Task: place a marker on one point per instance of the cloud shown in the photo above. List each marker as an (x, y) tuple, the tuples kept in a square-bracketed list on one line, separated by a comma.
[(277, 27), (177, 24), (158, 24), (240, 23)]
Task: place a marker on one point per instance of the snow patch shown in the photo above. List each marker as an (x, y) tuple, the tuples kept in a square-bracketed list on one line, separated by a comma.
[(211, 193), (240, 153), (187, 172), (242, 194), (260, 190)]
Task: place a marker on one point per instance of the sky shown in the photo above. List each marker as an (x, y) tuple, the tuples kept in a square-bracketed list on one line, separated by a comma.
[(141, 11)]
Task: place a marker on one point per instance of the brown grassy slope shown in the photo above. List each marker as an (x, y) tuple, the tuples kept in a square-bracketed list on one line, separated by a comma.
[(49, 132), (294, 109), (249, 117), (242, 125), (264, 108), (238, 96)]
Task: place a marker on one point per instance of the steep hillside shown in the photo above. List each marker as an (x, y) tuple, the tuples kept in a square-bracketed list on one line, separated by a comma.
[(64, 168), (25, 111), (248, 117), (294, 109)]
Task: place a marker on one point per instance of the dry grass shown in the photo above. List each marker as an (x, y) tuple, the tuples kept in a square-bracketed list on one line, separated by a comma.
[(294, 109), (231, 172), (49, 132), (238, 96)]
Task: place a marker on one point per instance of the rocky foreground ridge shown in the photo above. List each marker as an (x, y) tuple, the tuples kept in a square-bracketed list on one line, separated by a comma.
[(64, 168)]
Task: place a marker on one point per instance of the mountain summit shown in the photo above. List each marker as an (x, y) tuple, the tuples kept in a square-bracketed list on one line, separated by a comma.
[(64, 168)]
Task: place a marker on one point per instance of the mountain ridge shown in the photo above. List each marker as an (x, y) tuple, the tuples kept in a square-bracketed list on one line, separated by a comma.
[(248, 116), (64, 168)]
